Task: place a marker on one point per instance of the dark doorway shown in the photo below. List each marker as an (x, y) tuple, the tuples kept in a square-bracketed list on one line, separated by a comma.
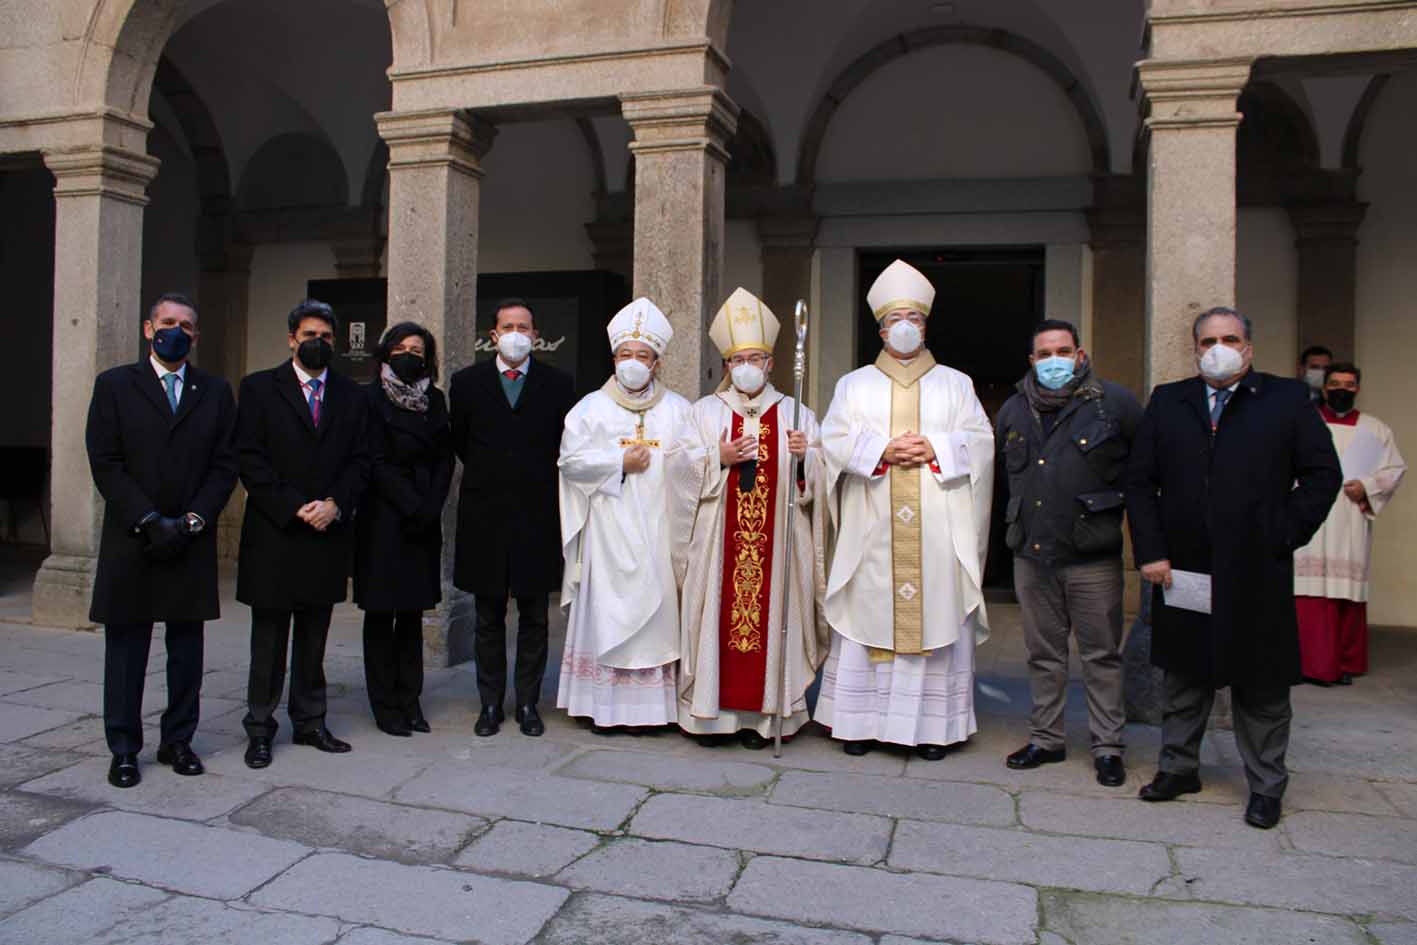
[(987, 300)]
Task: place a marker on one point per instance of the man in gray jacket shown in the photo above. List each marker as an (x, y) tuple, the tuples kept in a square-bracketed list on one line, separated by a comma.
[(1064, 439)]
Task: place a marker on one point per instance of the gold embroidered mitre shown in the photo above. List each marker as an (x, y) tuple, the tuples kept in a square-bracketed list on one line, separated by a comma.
[(901, 286), (743, 323), (641, 321)]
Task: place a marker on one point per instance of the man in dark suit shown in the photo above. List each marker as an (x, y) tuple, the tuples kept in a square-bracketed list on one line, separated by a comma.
[(1230, 472), (301, 434), (160, 445), (507, 416)]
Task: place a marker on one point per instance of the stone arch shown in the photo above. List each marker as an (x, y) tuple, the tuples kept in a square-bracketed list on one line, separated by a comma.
[(118, 59), (292, 171), (213, 174), (1276, 146), (1353, 137), (906, 43)]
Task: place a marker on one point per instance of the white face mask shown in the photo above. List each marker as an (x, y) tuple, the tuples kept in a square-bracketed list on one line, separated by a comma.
[(633, 374), (748, 378), (1221, 363), (1314, 377), (513, 346), (904, 337)]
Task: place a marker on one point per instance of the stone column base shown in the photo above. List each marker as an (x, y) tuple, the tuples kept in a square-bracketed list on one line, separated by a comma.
[(63, 590), (448, 630)]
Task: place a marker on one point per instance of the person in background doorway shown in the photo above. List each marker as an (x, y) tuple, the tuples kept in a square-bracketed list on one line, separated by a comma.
[(1312, 365)]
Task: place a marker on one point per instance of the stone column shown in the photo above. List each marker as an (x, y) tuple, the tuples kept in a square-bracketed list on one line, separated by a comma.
[(787, 243), (680, 168), (435, 172), (1118, 343), (1190, 205), (1326, 236), (99, 195)]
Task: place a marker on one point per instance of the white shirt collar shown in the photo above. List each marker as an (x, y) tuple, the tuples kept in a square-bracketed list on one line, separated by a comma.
[(305, 378), (163, 372), (503, 367)]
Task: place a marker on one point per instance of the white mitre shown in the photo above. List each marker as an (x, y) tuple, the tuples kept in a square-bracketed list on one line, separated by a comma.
[(743, 323), (900, 286), (642, 321)]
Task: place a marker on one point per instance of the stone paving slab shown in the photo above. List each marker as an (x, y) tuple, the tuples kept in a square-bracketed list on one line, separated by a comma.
[(667, 773), (84, 734), (1312, 791), (526, 849), (419, 900), (1105, 920), (981, 760), (21, 763), (1298, 881), (814, 750), (183, 920), (24, 883), (25, 818), (1120, 866), (677, 872), (79, 915), (1353, 835), (508, 750), (21, 721), (1394, 933), (77, 696), (359, 825), (172, 854), (567, 802), (301, 766), (606, 920), (13, 682), (368, 935), (942, 907), (1401, 795), (1174, 822), (951, 801), (764, 828), (162, 791)]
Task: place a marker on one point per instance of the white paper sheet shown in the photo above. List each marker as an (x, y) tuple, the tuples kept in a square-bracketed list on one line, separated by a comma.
[(1362, 457), (1189, 590)]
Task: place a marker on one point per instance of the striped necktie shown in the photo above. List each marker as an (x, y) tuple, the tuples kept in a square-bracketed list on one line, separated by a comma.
[(315, 385)]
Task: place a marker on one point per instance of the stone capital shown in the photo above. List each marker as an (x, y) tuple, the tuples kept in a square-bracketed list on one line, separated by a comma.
[(1327, 223), (1184, 95), (104, 171), (700, 119), (451, 138)]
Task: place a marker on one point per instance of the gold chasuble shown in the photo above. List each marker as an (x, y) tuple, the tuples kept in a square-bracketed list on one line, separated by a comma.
[(906, 574)]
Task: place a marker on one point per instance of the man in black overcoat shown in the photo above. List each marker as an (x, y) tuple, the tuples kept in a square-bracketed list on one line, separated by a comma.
[(1230, 472), (507, 416), (301, 435), (160, 443)]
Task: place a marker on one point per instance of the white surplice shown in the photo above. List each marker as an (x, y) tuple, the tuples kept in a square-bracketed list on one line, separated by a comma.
[(625, 540), (1335, 562), (807, 637), (908, 699)]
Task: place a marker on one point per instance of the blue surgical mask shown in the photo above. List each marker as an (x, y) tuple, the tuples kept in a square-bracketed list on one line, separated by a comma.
[(171, 344), (1054, 372)]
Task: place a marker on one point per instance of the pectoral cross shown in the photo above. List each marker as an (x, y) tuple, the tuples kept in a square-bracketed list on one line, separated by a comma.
[(639, 437)]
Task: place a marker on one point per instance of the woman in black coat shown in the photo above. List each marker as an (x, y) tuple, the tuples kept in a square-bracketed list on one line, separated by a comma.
[(398, 557)]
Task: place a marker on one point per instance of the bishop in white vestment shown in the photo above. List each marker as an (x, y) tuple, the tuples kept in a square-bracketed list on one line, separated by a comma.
[(766, 479), (631, 473), (1331, 571), (910, 465)]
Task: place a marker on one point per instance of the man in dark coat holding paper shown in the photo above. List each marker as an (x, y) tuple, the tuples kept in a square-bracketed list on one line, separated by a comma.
[(1230, 473), (303, 442), (160, 446), (507, 416)]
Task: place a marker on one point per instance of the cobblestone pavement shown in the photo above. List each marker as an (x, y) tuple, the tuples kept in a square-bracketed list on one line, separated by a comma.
[(579, 839)]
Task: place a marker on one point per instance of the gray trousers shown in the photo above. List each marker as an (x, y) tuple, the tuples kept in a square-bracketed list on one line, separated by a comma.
[(1086, 601), (1262, 715)]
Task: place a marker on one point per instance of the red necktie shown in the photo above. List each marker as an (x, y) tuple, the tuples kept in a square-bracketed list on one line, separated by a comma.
[(512, 374)]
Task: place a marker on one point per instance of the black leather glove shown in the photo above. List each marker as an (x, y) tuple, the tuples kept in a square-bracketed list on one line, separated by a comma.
[(165, 537)]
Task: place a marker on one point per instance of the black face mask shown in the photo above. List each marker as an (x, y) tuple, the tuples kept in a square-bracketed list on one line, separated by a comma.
[(171, 344), (315, 353), (1339, 400), (406, 367)]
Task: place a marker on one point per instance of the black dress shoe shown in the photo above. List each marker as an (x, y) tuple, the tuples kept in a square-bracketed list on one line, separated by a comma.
[(1168, 787), (751, 740), (932, 752), (856, 749), (489, 721), (418, 723), (1346, 679), (258, 752), (181, 758), (322, 739), (1263, 812), (1031, 756), (1110, 770), (399, 729), (123, 772), (530, 721)]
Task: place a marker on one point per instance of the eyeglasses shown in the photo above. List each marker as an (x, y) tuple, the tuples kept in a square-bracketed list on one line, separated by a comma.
[(756, 360), (912, 317), (634, 354)]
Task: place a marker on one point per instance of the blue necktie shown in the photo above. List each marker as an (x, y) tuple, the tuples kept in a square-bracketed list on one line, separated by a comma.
[(171, 380), (1221, 396)]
